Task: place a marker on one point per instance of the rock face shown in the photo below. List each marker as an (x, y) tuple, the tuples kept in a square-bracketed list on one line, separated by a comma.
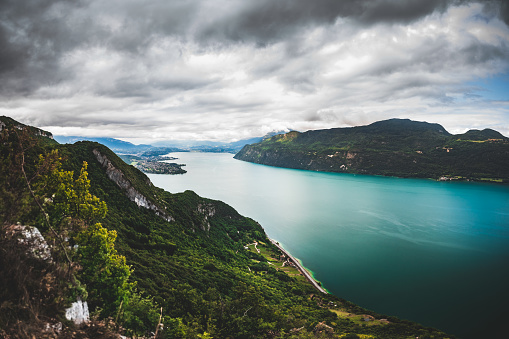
[(119, 178), (207, 210), (78, 312), (33, 237), (334, 161)]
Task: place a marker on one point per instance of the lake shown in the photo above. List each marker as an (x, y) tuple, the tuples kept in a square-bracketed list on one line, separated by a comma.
[(432, 252)]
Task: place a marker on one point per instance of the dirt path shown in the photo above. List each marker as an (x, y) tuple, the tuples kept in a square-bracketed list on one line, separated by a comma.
[(256, 248)]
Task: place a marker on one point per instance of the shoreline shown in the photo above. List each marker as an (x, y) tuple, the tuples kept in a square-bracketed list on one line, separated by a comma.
[(495, 181), (299, 266)]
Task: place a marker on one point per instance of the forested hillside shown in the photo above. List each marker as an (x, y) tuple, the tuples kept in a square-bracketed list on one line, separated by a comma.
[(396, 147), (148, 261)]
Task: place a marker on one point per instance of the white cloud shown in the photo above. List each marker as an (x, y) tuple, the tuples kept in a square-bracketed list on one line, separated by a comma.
[(144, 71)]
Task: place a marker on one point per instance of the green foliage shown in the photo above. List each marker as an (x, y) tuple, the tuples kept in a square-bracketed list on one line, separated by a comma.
[(351, 336), (176, 328), (83, 204), (138, 314), (70, 199), (104, 272), (19, 149), (394, 147)]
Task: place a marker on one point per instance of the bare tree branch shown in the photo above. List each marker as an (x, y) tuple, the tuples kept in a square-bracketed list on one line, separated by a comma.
[(46, 217)]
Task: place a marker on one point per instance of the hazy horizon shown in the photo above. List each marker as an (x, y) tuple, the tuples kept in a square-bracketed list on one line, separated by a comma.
[(153, 142)]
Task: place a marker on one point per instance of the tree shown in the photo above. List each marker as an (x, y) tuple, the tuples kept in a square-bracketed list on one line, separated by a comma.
[(66, 204), (139, 313), (70, 203), (103, 271), (69, 207)]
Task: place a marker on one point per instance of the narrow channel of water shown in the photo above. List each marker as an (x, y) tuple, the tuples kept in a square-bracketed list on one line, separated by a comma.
[(431, 252)]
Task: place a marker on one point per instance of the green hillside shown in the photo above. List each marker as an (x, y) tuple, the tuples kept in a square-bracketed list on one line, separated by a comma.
[(180, 260), (396, 147)]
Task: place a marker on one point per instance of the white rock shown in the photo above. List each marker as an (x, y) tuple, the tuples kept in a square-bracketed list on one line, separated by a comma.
[(78, 312), (31, 235)]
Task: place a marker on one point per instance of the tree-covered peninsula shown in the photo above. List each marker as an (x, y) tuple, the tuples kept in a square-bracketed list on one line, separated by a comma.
[(396, 147), (148, 263)]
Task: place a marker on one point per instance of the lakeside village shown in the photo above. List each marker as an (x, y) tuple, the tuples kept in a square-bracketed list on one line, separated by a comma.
[(157, 167), (153, 164)]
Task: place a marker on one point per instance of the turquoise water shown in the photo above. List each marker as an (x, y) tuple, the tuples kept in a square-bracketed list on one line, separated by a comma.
[(432, 252)]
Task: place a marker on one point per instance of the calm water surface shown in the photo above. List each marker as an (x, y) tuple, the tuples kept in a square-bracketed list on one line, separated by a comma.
[(432, 252)]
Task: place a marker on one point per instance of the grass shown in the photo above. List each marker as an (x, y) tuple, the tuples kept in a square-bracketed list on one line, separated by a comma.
[(491, 179), (358, 318), (477, 141), (481, 141), (271, 258)]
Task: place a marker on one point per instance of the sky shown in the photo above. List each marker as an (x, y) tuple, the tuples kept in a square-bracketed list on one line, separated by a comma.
[(224, 70)]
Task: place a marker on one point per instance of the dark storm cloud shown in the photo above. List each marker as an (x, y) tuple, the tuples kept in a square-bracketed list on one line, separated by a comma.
[(140, 23), (267, 21), (97, 64), (505, 12), (499, 8), (394, 11), (36, 35), (32, 38)]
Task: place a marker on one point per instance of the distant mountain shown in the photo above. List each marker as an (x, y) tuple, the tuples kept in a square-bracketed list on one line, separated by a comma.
[(114, 144), (395, 147), (206, 145), (214, 146), (167, 146), (241, 143), (185, 144)]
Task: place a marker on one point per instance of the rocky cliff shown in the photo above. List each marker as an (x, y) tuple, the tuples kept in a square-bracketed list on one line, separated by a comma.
[(119, 178)]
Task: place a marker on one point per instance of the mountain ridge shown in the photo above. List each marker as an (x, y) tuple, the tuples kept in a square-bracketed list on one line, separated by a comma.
[(395, 147), (121, 146)]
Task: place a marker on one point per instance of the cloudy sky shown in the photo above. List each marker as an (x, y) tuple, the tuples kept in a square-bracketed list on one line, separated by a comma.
[(233, 69)]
